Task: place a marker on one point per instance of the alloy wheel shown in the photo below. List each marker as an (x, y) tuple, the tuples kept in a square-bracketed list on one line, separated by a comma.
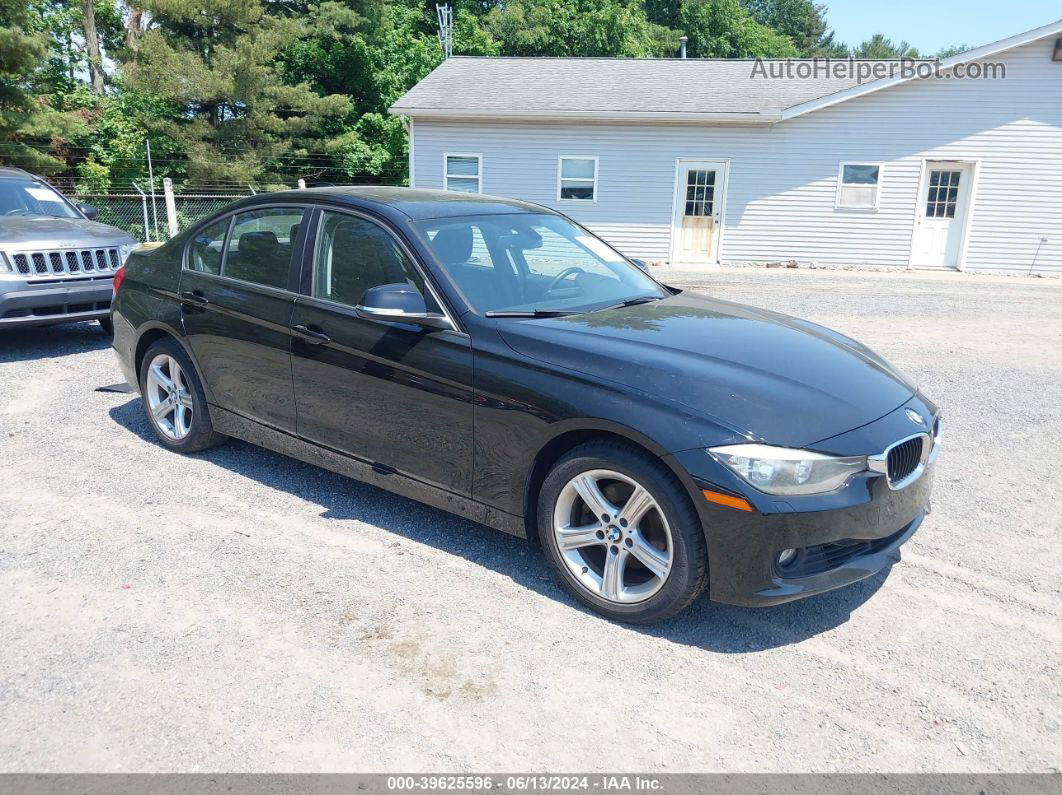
[(612, 536), (168, 397)]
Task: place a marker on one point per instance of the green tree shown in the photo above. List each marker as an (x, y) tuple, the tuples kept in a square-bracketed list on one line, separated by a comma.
[(954, 49), (577, 28), (373, 66), (801, 20), (880, 47), (724, 29), (119, 126), (664, 12), (27, 121), (829, 47), (217, 61), (62, 23)]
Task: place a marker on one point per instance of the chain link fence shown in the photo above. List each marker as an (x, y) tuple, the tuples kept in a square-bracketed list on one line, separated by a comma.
[(144, 217), (129, 211), (191, 208)]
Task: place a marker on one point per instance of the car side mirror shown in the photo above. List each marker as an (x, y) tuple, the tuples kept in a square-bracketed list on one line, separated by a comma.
[(641, 263), (399, 303), (88, 211)]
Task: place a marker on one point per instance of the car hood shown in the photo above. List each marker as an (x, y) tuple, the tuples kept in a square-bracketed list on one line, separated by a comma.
[(768, 376), (27, 233)]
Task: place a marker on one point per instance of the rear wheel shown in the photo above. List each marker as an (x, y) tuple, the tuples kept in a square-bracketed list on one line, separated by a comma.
[(621, 534), (173, 399)]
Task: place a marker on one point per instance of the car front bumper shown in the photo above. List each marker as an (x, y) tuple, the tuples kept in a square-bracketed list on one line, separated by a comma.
[(51, 301), (840, 538)]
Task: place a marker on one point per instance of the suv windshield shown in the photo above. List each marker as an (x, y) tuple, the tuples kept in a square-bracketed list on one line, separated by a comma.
[(528, 262), (30, 197)]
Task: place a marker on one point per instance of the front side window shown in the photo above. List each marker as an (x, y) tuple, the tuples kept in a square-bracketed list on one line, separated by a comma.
[(32, 197), (464, 173), (261, 246), (354, 255), (529, 261), (207, 247), (858, 185), (577, 179)]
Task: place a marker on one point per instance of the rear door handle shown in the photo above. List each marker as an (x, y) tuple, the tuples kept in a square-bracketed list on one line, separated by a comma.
[(194, 298), (309, 335)]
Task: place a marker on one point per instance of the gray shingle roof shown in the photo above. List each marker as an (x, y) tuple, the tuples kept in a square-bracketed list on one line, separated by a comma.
[(537, 86)]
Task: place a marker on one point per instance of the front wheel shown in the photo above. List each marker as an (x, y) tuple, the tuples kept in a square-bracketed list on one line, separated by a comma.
[(621, 534), (174, 401)]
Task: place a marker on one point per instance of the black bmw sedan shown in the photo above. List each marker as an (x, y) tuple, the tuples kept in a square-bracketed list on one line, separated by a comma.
[(494, 359)]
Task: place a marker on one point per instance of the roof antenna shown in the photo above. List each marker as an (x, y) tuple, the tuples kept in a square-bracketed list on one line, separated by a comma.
[(682, 46), (446, 28)]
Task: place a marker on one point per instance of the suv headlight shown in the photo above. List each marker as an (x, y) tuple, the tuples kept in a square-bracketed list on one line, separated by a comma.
[(5, 266), (125, 251), (781, 470)]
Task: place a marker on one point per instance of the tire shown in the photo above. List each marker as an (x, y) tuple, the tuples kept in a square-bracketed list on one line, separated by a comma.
[(661, 559), (106, 326), (185, 427)]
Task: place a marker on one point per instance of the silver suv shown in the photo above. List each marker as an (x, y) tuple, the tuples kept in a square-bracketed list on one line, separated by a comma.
[(56, 263)]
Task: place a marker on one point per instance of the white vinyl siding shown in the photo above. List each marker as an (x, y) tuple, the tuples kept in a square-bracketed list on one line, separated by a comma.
[(464, 172), (781, 198)]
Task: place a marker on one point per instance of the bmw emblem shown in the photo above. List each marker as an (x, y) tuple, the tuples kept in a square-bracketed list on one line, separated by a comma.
[(915, 417)]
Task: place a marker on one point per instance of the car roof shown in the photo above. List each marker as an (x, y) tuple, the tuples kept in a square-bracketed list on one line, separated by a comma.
[(10, 172), (414, 203)]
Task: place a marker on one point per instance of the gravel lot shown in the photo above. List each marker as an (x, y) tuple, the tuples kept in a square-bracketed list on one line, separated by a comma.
[(238, 610)]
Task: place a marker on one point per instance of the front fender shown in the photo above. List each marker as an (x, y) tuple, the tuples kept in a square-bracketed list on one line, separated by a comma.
[(523, 405)]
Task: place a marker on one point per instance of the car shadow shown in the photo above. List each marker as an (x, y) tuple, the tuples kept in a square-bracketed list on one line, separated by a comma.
[(705, 624), (18, 344)]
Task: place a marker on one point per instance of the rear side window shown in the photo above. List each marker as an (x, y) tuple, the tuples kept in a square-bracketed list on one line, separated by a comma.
[(261, 246), (204, 254)]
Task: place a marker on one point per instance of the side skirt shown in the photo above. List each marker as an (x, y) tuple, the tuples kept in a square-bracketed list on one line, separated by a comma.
[(231, 424)]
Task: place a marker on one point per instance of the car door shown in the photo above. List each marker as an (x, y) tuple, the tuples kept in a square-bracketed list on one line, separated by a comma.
[(237, 296), (395, 395)]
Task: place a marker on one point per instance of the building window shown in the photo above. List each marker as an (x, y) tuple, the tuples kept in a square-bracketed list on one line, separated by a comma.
[(464, 172), (943, 193), (577, 178), (859, 186)]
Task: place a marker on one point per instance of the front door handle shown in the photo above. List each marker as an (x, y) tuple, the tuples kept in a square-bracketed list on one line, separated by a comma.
[(194, 298), (311, 336)]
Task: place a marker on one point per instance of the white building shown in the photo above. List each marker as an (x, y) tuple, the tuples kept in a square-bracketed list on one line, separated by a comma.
[(702, 161)]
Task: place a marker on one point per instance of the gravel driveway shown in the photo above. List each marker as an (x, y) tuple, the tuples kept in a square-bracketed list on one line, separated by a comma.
[(238, 610)]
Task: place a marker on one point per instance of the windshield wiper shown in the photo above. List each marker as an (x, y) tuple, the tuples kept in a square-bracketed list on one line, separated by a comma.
[(529, 312), (641, 299)]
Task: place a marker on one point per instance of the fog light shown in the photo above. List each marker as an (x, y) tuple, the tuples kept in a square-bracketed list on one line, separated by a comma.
[(786, 556)]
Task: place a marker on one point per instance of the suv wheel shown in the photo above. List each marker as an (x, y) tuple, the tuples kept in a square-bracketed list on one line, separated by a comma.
[(173, 399), (106, 326), (621, 534)]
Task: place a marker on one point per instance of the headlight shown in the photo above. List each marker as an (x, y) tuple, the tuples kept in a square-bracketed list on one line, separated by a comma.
[(125, 251), (5, 266), (780, 470)]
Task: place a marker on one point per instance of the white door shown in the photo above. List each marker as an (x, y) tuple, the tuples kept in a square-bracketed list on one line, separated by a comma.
[(696, 222), (941, 219)]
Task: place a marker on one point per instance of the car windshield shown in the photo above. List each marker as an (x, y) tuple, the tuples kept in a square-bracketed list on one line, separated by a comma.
[(530, 262), (31, 197)]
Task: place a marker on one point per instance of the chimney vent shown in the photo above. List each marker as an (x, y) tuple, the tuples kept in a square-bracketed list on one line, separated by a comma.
[(682, 46)]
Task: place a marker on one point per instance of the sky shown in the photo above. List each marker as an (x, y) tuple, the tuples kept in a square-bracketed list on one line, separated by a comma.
[(931, 25)]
